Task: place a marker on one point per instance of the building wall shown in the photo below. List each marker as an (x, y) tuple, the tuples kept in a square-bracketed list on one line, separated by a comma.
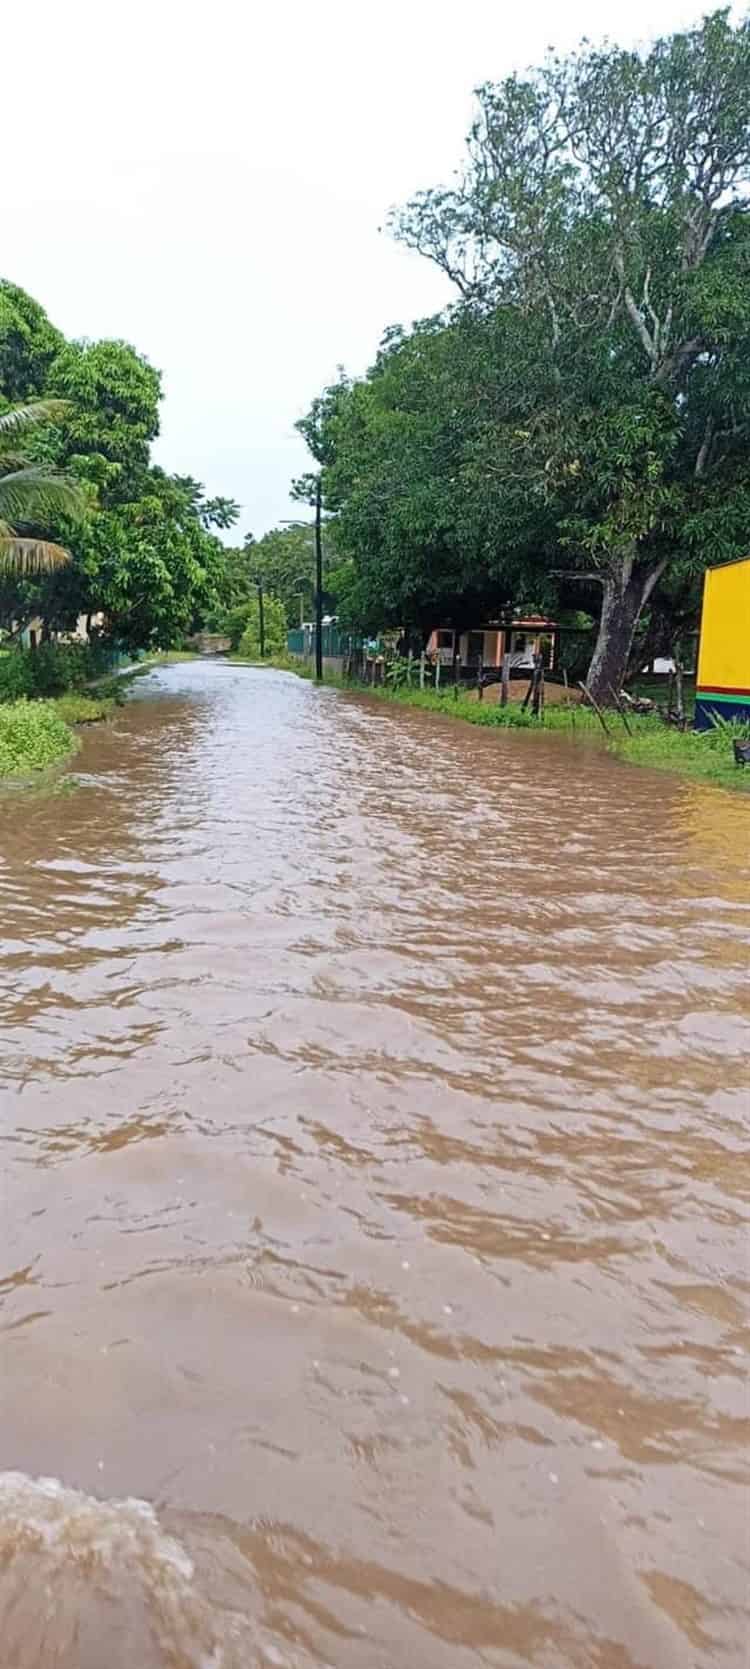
[(723, 681)]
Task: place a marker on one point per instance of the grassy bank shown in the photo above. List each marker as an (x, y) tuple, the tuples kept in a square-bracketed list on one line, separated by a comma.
[(78, 708), (704, 756), (37, 733), (33, 736)]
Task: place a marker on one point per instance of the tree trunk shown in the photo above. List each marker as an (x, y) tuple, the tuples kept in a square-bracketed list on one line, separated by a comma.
[(625, 589)]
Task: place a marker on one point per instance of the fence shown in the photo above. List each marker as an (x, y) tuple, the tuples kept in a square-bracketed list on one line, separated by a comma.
[(336, 645)]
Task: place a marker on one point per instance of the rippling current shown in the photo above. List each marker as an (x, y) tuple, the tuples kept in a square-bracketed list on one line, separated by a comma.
[(375, 1259)]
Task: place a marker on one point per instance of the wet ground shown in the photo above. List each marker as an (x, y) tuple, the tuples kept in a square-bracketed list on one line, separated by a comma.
[(374, 1120)]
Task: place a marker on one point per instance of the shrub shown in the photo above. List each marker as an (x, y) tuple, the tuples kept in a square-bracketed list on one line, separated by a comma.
[(16, 676), (49, 670), (60, 666), (32, 735), (83, 709), (274, 622)]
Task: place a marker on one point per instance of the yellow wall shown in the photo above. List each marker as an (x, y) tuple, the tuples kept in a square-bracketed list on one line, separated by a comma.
[(724, 657)]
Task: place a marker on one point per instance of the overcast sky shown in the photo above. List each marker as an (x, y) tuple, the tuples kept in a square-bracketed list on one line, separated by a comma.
[(208, 180)]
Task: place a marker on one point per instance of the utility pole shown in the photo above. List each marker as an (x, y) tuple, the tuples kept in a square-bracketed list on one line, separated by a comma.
[(318, 579), (261, 621)]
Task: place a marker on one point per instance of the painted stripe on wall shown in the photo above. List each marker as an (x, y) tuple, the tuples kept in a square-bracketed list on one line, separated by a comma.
[(719, 693)]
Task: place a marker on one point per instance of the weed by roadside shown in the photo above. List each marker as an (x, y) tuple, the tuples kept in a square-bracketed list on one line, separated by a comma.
[(75, 708), (33, 736)]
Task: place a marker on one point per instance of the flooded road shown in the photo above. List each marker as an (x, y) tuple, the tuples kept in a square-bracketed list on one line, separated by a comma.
[(374, 1140)]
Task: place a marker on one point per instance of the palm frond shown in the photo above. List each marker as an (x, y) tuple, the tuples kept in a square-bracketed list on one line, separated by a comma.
[(30, 556), (38, 494), (32, 414)]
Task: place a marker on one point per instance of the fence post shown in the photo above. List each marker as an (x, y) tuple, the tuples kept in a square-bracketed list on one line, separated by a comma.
[(572, 704), (421, 670), (537, 699), (596, 707), (680, 712), (505, 679), (437, 673)]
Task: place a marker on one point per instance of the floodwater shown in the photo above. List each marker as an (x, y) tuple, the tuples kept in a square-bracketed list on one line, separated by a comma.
[(375, 1261)]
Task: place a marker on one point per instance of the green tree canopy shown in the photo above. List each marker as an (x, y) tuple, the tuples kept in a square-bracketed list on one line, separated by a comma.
[(28, 344), (274, 629), (143, 550), (433, 523), (604, 201)]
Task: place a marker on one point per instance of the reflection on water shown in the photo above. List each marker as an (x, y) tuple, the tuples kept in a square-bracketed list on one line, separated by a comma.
[(374, 1124)]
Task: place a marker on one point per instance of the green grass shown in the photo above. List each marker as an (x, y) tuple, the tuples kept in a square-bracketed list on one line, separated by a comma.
[(75, 708), (489, 714), (705, 755), (33, 736)]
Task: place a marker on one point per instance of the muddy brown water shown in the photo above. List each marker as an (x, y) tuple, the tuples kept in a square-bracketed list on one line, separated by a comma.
[(375, 1258)]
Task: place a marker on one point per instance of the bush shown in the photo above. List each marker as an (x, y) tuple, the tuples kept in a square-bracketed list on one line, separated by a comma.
[(51, 669), (60, 666), (16, 676), (83, 709), (32, 735), (274, 621)]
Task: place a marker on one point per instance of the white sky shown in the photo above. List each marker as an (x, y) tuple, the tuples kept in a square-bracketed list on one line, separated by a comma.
[(207, 179)]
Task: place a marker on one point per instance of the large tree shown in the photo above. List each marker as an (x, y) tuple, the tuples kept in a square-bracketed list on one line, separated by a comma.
[(436, 520), (605, 198), (29, 344), (145, 552)]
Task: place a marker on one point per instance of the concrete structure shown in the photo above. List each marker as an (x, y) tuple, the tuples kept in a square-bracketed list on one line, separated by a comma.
[(723, 680)]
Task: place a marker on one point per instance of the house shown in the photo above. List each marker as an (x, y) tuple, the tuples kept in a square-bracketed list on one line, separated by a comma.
[(485, 646), (33, 632), (723, 681)]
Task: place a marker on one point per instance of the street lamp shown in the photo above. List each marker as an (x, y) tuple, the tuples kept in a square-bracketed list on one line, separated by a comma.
[(261, 620), (317, 524), (302, 580)]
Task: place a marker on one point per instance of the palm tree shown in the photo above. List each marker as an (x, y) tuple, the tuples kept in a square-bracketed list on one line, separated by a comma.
[(32, 495)]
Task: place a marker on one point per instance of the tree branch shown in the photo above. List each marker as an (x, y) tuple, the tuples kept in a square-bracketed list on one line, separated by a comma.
[(670, 366), (654, 578), (634, 312), (705, 447), (597, 575)]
